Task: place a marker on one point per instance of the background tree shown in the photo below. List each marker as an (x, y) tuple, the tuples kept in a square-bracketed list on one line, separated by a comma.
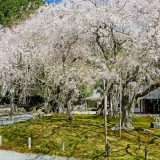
[(13, 11)]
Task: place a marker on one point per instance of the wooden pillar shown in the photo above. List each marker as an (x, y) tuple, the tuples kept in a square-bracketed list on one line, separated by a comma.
[(120, 115), (142, 106), (1, 140), (146, 153), (63, 146), (139, 103), (106, 130), (29, 143), (154, 108), (105, 122)]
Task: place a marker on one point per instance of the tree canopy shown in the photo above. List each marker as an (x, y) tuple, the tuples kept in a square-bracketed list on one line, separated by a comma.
[(64, 47)]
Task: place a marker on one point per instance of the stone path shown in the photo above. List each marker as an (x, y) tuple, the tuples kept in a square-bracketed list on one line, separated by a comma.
[(11, 155), (18, 118)]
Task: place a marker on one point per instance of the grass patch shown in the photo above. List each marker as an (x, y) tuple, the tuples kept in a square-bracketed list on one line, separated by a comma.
[(83, 138)]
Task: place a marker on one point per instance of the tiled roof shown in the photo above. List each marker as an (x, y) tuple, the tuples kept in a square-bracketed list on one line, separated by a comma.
[(152, 95)]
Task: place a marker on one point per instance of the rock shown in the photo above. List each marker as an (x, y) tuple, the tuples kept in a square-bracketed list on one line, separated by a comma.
[(155, 125), (139, 129), (143, 130), (115, 128), (148, 131), (38, 114)]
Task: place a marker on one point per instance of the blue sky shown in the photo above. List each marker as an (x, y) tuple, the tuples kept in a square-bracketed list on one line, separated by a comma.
[(52, 1), (57, 1)]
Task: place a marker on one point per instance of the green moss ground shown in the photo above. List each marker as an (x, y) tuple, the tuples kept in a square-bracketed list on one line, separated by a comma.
[(83, 138)]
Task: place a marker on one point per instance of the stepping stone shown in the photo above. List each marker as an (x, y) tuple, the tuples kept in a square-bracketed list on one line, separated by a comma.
[(155, 125)]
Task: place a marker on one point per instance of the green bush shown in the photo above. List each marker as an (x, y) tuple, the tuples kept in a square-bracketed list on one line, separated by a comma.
[(14, 10), (86, 91)]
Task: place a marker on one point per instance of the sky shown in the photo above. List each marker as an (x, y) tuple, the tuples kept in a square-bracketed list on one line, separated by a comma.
[(52, 1), (57, 1)]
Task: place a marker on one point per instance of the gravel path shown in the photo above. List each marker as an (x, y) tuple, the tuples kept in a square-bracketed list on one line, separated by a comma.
[(17, 118), (10, 155), (84, 112)]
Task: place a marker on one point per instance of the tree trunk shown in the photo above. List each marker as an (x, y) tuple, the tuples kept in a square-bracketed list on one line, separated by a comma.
[(127, 113), (127, 117), (69, 112), (100, 109), (12, 106)]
